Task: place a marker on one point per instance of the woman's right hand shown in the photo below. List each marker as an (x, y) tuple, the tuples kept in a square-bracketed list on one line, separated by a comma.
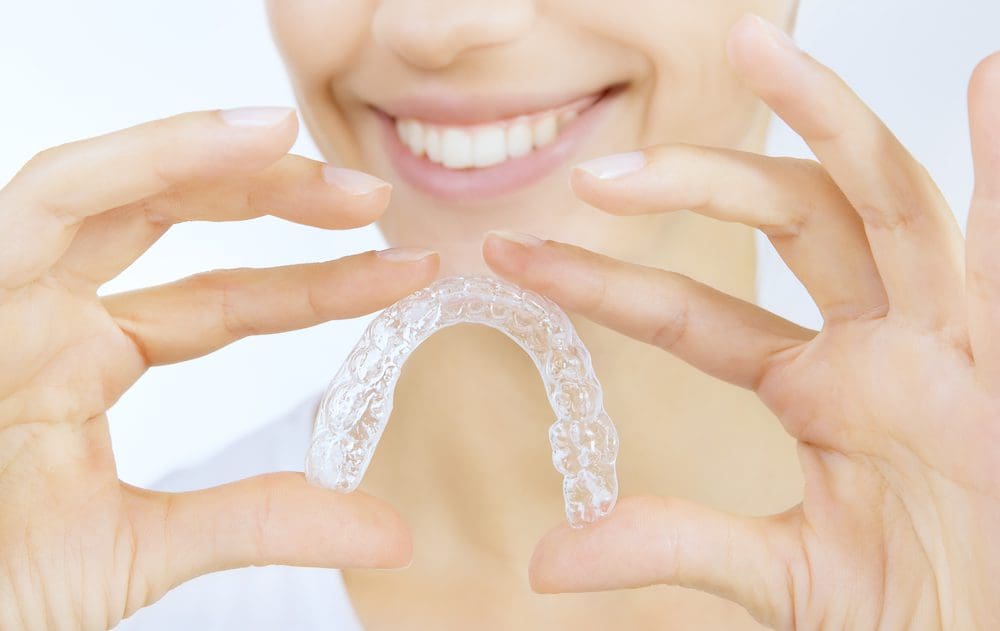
[(79, 548)]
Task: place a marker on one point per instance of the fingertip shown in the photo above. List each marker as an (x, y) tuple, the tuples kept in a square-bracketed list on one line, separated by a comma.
[(278, 124), (984, 126), (355, 211), (406, 254), (753, 42), (538, 582), (568, 560), (352, 182), (540, 576), (255, 117), (741, 37), (229, 142), (591, 189), (431, 266), (985, 81), (406, 268), (512, 254), (393, 546), (578, 181)]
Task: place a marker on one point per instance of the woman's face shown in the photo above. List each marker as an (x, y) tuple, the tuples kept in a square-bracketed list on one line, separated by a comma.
[(476, 109)]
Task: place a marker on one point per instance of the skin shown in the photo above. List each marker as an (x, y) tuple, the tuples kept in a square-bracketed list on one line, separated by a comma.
[(889, 410), (80, 549), (475, 535), (901, 489)]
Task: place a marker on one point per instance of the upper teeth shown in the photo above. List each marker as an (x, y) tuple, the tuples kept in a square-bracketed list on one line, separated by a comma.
[(483, 145)]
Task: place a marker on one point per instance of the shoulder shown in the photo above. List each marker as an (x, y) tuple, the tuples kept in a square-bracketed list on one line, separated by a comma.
[(273, 597)]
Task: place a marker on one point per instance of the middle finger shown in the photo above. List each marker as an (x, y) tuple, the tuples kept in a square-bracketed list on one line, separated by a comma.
[(294, 188)]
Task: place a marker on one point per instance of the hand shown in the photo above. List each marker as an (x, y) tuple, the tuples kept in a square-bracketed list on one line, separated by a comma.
[(895, 403), (78, 548)]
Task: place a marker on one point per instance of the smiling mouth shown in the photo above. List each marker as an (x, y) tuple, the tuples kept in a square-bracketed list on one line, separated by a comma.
[(484, 158), (486, 145)]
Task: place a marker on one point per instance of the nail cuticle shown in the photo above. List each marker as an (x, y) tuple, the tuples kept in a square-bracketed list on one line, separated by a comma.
[(405, 254), (255, 116)]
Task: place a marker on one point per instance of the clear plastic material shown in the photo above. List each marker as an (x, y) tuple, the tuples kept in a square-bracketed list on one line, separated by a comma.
[(358, 402)]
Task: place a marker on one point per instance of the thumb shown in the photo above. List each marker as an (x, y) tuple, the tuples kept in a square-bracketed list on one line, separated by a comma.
[(276, 518), (650, 540)]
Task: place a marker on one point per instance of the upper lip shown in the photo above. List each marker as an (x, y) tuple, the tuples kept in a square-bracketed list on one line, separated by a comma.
[(444, 107)]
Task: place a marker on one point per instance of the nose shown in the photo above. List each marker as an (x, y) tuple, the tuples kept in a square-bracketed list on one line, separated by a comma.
[(430, 34)]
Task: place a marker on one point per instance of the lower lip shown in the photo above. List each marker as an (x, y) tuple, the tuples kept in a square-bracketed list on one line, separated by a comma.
[(506, 177)]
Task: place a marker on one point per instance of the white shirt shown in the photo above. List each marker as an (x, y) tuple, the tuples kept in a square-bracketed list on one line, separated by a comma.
[(274, 597)]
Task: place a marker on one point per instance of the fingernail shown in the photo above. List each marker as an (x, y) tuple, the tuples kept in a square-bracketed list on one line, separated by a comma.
[(405, 255), (615, 165), (354, 182), (255, 116), (519, 238), (779, 36)]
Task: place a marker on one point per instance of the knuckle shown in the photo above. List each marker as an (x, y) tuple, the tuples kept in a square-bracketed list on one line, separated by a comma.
[(161, 209), (253, 199), (227, 288), (888, 216), (594, 298), (263, 520), (25, 183), (900, 198), (791, 178), (982, 283), (316, 303), (45, 157), (681, 157), (671, 151), (234, 319), (812, 173), (672, 327)]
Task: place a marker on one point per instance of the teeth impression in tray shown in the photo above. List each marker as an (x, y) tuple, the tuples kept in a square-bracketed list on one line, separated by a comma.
[(353, 413)]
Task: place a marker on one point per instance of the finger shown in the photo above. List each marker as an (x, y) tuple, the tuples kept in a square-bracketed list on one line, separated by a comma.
[(294, 188), (794, 202), (43, 205), (274, 519), (915, 240), (717, 333), (983, 256), (651, 541), (197, 315)]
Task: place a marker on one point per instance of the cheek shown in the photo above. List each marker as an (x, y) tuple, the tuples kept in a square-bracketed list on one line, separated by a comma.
[(689, 92), (318, 38)]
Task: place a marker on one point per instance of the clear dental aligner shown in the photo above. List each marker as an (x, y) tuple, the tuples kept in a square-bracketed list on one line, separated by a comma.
[(358, 402)]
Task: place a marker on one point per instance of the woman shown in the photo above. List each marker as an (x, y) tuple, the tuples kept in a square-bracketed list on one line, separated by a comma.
[(474, 111)]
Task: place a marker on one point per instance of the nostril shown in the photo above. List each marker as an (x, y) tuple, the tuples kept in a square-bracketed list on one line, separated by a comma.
[(431, 34)]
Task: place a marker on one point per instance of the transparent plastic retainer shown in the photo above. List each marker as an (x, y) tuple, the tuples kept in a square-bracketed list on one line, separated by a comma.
[(358, 402)]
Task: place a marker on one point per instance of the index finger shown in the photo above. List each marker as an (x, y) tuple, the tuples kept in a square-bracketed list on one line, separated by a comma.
[(42, 206), (915, 240)]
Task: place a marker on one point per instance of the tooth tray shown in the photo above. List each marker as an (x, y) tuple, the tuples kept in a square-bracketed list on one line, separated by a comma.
[(358, 402)]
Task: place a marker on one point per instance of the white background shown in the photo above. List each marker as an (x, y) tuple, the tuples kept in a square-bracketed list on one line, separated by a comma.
[(71, 69)]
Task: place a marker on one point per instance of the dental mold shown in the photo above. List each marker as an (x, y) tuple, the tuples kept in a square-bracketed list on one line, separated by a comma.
[(356, 406)]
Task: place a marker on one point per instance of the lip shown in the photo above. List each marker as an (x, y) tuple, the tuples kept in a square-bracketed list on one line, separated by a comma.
[(450, 108), (506, 177)]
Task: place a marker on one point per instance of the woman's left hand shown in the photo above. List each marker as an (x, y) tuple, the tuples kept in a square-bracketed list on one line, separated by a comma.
[(895, 403)]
